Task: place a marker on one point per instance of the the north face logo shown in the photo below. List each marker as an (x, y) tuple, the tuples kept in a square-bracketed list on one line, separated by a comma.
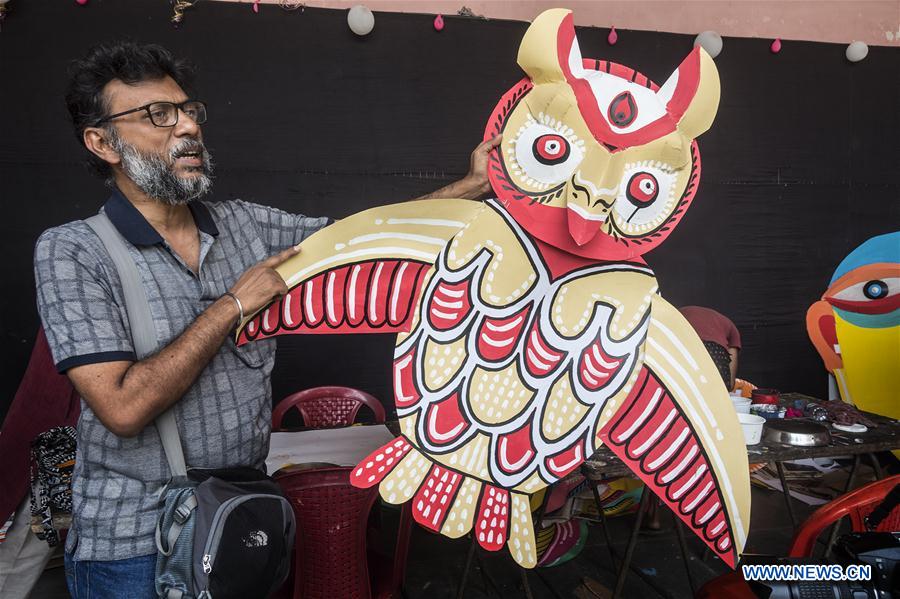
[(257, 538)]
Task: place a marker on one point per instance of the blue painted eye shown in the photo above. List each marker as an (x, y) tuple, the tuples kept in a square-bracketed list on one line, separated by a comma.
[(875, 289)]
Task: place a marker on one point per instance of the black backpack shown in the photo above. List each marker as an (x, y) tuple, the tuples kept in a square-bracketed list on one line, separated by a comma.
[(223, 533)]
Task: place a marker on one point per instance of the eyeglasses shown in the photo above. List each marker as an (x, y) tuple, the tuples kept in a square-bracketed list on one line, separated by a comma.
[(165, 114)]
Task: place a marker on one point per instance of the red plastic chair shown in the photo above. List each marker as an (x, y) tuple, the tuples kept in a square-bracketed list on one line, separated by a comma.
[(327, 407), (330, 558), (856, 505)]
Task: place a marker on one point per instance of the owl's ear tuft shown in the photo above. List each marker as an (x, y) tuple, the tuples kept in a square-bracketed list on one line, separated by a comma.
[(549, 49), (691, 93)]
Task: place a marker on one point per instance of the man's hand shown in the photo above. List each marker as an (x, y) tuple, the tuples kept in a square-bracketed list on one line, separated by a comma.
[(127, 396), (478, 165), (476, 183), (260, 284)]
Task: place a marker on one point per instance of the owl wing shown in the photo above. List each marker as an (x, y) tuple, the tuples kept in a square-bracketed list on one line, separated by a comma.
[(362, 274), (678, 432)]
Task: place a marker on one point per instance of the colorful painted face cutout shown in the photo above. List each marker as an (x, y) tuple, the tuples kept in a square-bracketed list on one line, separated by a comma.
[(596, 159), (855, 327)]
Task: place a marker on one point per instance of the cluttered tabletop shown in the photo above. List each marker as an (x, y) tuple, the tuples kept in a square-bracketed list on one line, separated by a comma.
[(851, 432), (840, 431)]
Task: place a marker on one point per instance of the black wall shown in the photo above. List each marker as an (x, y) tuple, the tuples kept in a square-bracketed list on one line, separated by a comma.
[(800, 167)]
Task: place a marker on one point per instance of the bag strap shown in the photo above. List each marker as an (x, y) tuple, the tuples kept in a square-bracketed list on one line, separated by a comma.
[(143, 331), (179, 518)]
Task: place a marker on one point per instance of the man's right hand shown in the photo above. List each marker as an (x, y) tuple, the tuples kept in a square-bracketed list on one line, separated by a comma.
[(126, 396), (260, 284)]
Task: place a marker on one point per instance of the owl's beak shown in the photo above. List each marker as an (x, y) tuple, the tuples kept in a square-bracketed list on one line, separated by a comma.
[(587, 208), (583, 225)]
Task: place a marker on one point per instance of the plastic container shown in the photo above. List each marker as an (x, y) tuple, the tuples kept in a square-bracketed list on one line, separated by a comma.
[(767, 411), (752, 426), (741, 405)]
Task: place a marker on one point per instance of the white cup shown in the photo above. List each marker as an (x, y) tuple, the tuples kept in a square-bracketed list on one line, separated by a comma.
[(753, 426), (741, 404)]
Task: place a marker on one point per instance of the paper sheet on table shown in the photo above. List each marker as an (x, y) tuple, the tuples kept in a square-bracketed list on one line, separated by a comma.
[(775, 484), (340, 446)]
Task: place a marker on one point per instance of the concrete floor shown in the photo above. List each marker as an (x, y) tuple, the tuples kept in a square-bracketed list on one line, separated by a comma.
[(436, 563)]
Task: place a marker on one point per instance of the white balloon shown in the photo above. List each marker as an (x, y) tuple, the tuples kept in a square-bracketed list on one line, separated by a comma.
[(711, 42), (361, 20), (857, 51)]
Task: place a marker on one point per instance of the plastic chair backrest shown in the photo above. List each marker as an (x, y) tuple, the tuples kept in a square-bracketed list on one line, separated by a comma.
[(327, 407), (330, 556), (856, 505)]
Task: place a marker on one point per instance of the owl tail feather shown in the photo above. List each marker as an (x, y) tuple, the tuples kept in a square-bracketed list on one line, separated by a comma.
[(380, 463), (448, 502)]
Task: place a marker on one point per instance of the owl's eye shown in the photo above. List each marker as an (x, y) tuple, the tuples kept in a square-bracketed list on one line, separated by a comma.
[(544, 156), (646, 197), (551, 149), (642, 189)]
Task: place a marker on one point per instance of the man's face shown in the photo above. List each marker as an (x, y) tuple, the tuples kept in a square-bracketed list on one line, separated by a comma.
[(170, 164)]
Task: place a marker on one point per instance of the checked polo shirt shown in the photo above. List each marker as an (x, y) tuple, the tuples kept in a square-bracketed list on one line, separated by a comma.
[(224, 418)]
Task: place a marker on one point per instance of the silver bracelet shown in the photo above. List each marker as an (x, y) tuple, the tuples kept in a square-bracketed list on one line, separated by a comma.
[(240, 307)]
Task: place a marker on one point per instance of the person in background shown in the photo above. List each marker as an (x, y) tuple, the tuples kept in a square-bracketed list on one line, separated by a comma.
[(43, 401), (721, 338)]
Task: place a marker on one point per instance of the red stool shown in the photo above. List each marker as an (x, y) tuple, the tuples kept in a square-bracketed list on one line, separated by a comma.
[(327, 407)]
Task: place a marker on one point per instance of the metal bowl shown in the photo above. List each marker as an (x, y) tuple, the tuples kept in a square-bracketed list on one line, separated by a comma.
[(801, 433)]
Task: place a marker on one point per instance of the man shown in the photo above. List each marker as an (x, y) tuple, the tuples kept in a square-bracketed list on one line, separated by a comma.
[(202, 265)]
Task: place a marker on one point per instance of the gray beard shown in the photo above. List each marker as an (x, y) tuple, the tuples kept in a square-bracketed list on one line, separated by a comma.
[(155, 176)]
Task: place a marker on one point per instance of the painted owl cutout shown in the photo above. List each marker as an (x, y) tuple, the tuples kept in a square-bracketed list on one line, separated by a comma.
[(530, 331)]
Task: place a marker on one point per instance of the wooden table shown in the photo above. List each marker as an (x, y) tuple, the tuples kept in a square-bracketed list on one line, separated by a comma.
[(885, 436)]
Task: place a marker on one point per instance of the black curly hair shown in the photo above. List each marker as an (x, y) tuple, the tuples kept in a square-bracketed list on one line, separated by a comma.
[(127, 61)]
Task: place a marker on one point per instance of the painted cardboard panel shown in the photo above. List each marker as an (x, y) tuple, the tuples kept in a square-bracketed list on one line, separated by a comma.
[(855, 326), (530, 330)]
